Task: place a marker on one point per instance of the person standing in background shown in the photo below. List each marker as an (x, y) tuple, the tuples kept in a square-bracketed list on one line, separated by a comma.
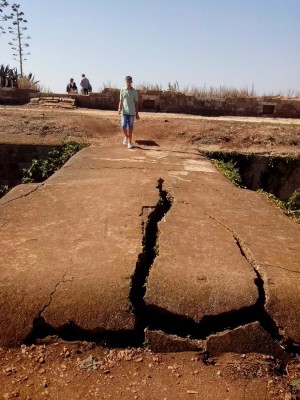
[(85, 84), (71, 87)]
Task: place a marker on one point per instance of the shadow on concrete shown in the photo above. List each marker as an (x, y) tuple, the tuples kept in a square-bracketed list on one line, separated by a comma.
[(147, 143)]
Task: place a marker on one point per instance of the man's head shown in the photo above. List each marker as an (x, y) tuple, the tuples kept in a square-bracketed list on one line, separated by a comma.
[(71, 80), (83, 75), (128, 80)]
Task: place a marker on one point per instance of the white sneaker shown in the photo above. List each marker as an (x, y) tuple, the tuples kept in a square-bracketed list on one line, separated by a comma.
[(125, 141), (129, 146)]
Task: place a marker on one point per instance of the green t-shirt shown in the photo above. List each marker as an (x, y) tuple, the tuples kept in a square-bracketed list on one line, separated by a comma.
[(129, 97)]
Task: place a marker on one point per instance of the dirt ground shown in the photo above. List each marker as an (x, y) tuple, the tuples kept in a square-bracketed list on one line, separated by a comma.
[(59, 370), (83, 371), (253, 135)]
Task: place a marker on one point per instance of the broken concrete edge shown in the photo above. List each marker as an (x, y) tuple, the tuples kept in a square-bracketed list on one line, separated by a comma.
[(160, 342), (249, 338), (20, 191), (71, 332), (184, 327)]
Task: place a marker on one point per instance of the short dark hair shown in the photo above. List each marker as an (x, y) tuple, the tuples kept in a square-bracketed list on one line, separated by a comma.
[(128, 78), (83, 75)]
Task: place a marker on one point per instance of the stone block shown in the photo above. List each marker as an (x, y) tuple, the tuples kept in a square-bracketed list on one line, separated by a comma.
[(161, 342), (250, 338)]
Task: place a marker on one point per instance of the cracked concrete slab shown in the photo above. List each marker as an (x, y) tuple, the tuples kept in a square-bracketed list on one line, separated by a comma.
[(269, 242), (69, 252), (272, 241), (69, 249), (199, 271)]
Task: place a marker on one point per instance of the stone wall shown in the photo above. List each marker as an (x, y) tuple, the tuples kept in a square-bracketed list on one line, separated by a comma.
[(180, 103), (15, 96), (160, 101)]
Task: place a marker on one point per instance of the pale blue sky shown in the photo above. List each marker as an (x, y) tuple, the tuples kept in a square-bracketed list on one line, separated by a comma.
[(195, 42)]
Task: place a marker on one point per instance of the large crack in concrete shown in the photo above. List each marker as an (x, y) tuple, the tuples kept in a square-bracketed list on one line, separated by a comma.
[(150, 216), (150, 249), (153, 318), (262, 316)]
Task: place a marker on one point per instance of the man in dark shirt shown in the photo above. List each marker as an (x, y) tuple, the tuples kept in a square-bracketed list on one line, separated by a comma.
[(71, 87)]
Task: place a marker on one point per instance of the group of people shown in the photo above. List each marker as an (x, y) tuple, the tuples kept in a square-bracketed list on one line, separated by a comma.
[(128, 105), (86, 87)]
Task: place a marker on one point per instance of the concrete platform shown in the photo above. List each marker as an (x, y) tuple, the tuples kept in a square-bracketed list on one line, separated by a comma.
[(70, 247)]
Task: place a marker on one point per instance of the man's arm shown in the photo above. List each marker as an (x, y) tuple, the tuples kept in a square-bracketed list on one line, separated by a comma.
[(136, 104), (120, 106), (120, 103)]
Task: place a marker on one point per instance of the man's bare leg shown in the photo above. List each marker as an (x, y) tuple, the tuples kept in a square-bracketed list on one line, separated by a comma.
[(129, 137)]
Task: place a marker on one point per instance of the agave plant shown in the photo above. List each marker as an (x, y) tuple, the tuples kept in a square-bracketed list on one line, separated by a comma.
[(8, 76), (12, 78)]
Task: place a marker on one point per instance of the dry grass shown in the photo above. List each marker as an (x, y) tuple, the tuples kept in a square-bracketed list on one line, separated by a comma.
[(26, 83), (218, 92), (204, 92), (149, 86), (108, 85)]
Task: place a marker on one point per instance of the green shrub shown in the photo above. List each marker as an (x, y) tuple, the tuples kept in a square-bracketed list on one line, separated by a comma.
[(284, 206), (40, 170), (230, 170), (3, 190), (293, 202)]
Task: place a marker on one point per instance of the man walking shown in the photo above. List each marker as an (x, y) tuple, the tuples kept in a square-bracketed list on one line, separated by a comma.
[(128, 107)]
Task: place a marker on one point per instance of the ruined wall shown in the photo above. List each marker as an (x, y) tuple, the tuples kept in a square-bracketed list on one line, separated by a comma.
[(14, 96), (160, 101), (180, 103)]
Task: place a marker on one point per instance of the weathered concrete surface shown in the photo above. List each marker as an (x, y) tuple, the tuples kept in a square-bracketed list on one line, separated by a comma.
[(69, 247)]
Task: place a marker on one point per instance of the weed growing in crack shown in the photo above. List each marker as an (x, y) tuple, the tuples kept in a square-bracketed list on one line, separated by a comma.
[(293, 203)]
